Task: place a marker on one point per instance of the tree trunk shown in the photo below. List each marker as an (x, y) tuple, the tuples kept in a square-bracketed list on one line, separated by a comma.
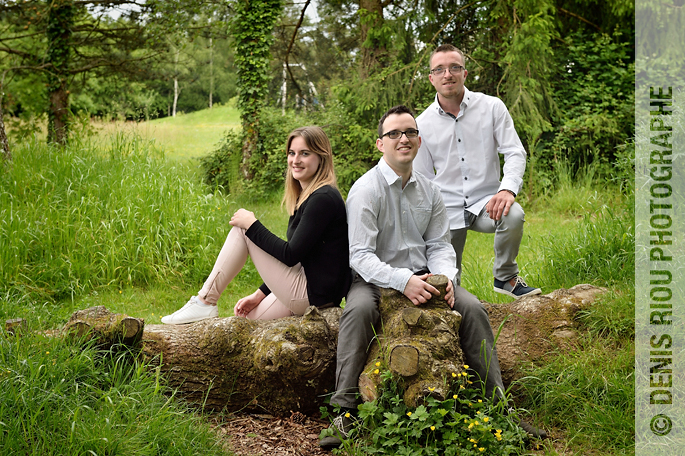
[(59, 31), (211, 72), (4, 143), (373, 49), (288, 364)]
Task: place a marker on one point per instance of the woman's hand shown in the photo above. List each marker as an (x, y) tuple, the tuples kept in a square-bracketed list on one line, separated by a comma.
[(245, 305), (243, 219)]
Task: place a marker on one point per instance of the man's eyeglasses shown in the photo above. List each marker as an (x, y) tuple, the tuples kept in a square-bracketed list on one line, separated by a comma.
[(410, 133), (454, 69)]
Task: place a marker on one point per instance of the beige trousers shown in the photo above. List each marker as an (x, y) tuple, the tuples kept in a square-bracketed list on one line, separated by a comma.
[(288, 285)]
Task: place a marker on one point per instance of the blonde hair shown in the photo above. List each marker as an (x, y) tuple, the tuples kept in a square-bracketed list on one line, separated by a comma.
[(318, 143)]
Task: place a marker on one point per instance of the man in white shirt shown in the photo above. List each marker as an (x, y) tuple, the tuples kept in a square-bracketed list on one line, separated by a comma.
[(399, 235), (463, 133)]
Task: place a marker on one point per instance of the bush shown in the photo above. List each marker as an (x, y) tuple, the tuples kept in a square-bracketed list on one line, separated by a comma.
[(354, 151)]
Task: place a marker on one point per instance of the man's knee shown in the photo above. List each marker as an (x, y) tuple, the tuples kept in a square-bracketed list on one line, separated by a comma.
[(361, 304), (515, 215)]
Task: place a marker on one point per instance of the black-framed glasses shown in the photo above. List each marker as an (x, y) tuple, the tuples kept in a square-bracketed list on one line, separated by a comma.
[(454, 69), (410, 133)]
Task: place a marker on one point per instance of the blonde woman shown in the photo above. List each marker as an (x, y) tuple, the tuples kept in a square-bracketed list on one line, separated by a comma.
[(310, 268)]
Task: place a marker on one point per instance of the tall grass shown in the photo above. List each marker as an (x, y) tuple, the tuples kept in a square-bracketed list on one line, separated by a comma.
[(57, 398), (77, 219)]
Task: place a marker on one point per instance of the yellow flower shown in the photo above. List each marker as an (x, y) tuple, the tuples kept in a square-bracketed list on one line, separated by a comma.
[(432, 428), (471, 426), (378, 364), (464, 374), (453, 374), (469, 382), (431, 389), (466, 366), (347, 415), (466, 421), (486, 419), (472, 440), (408, 413), (462, 387), (454, 397), (376, 371), (477, 423), (475, 446), (499, 431), (481, 449), (47, 353), (478, 412), (480, 401)]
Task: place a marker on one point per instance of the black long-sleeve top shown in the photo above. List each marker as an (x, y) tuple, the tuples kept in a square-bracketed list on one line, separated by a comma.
[(317, 238)]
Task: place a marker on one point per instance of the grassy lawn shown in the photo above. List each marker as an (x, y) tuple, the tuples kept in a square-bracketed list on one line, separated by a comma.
[(186, 136)]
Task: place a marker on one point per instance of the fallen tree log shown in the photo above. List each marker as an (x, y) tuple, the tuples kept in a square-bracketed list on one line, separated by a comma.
[(284, 365)]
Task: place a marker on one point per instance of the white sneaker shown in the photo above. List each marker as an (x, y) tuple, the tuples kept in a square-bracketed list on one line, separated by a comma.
[(194, 310)]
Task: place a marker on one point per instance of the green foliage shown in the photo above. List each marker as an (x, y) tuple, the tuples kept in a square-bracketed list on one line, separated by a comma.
[(57, 398), (252, 26), (527, 62), (354, 151), (458, 426), (86, 217), (595, 93)]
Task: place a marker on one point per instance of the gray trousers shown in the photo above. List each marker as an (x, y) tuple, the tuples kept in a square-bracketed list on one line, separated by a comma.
[(508, 234), (357, 333)]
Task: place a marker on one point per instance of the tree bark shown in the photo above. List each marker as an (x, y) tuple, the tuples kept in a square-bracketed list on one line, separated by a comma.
[(418, 343), (59, 31), (4, 143), (284, 365)]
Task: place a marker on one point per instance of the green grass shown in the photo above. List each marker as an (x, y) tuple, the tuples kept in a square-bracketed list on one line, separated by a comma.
[(57, 398), (115, 222), (186, 136)]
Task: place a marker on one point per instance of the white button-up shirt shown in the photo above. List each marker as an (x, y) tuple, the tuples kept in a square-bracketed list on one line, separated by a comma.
[(395, 232), (461, 155)]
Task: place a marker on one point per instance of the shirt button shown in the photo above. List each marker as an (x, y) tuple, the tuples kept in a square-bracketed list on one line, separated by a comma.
[(466, 178), (459, 140), (462, 158), (466, 197)]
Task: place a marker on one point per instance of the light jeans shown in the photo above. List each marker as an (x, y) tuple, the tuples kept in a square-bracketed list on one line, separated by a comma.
[(508, 234), (288, 285)]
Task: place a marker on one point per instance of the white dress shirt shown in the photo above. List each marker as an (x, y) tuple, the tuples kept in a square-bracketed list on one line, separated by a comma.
[(395, 232), (461, 155)]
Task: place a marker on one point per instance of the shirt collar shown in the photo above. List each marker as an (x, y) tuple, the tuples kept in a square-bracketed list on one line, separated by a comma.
[(462, 107), (391, 176)]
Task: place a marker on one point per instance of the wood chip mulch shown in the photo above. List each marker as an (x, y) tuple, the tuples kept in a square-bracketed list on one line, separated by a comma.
[(255, 435)]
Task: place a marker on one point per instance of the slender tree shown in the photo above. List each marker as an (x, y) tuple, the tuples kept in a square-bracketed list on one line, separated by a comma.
[(253, 26)]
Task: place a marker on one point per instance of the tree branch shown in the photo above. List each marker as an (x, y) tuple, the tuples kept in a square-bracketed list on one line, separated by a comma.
[(580, 18), (290, 46)]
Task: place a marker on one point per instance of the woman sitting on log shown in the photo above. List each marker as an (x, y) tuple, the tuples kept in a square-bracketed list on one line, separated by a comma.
[(310, 268)]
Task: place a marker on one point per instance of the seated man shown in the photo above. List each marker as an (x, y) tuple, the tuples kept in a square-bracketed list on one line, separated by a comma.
[(399, 235)]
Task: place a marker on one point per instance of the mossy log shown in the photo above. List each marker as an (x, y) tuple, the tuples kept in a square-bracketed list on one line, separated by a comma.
[(284, 365), (107, 328), (274, 366), (418, 343), (536, 327)]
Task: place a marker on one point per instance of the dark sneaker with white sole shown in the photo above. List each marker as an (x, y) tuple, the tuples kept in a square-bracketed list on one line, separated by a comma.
[(341, 427), (515, 287)]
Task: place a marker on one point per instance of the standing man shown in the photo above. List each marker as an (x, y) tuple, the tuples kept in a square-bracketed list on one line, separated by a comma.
[(399, 235), (463, 134)]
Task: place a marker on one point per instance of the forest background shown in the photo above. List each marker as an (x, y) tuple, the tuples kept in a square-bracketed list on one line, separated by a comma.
[(87, 220)]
